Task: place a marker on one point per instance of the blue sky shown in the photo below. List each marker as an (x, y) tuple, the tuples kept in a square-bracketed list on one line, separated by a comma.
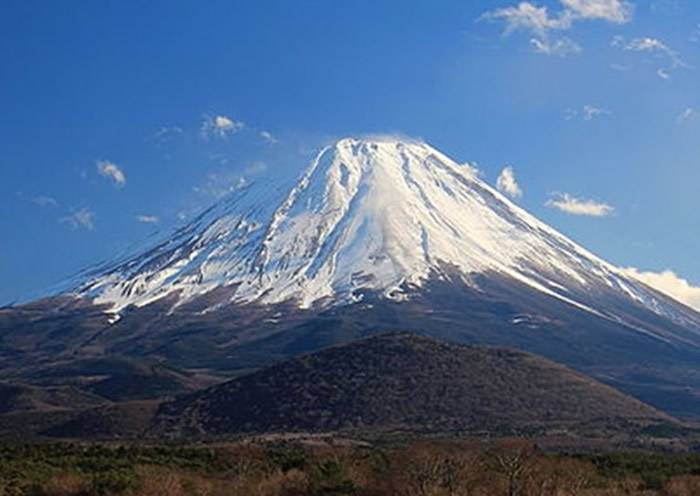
[(121, 119)]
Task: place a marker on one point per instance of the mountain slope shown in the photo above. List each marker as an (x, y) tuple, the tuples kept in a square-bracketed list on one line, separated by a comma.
[(402, 382), (18, 397)]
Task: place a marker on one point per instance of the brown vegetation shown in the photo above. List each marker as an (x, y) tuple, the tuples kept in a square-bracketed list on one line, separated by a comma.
[(404, 382), (506, 468)]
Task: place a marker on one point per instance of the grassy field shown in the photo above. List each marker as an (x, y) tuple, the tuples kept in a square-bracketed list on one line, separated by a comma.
[(508, 468)]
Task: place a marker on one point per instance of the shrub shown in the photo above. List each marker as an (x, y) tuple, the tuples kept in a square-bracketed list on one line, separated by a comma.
[(287, 457), (66, 485), (293, 482)]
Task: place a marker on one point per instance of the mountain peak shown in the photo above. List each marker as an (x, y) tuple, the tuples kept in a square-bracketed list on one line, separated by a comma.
[(376, 140), (360, 155), (385, 150)]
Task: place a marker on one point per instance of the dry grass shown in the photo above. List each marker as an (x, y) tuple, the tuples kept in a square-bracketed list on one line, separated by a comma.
[(66, 485)]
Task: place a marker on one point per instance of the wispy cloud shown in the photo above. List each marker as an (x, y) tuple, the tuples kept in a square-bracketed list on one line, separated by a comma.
[(268, 137), (579, 206), (590, 112), (219, 126), (148, 219), (669, 283), (587, 113), (472, 168), (111, 171), (44, 201), (646, 44), (562, 47), (506, 183), (615, 11), (528, 17), (167, 134), (695, 35), (80, 219), (541, 24), (689, 114), (219, 184), (662, 73), (654, 46)]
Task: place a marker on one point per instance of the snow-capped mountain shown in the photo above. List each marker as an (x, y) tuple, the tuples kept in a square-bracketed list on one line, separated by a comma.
[(377, 214), (378, 235)]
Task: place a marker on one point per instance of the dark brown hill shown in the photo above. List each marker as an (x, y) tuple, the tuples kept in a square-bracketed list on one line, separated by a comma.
[(402, 382)]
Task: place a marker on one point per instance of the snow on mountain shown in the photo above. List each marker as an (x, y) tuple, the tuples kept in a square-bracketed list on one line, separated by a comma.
[(369, 214)]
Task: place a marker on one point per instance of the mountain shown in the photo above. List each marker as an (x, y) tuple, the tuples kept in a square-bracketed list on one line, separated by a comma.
[(368, 215), (406, 383), (379, 234)]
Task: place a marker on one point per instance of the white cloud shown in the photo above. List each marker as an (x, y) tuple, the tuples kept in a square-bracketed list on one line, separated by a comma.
[(507, 183), (538, 21), (640, 44), (590, 112), (688, 114), (268, 137), (167, 134), (528, 17), (219, 126), (148, 219), (561, 47), (615, 11), (81, 219), (653, 46), (578, 206), (587, 113), (219, 184), (44, 201), (669, 283), (111, 171), (663, 74), (472, 168), (223, 122)]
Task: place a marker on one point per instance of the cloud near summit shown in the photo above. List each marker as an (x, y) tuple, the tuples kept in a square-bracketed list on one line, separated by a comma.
[(669, 283), (506, 183)]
